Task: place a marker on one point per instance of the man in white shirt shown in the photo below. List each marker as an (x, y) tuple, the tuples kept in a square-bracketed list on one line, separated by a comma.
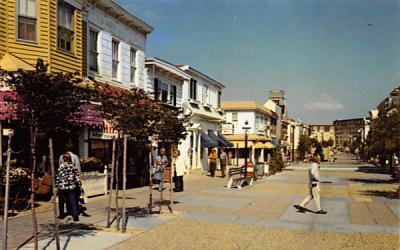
[(314, 181), (75, 159)]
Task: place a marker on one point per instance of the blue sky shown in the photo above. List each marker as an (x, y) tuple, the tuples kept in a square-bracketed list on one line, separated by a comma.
[(334, 58)]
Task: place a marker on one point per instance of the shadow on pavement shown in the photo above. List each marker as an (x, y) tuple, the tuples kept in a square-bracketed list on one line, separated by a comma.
[(69, 229), (379, 193), (374, 181), (370, 169)]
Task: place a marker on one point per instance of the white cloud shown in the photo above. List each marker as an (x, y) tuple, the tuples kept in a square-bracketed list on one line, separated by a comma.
[(324, 103)]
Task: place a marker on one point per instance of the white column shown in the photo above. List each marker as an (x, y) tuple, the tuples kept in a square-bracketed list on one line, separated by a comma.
[(84, 142), (198, 155), (262, 154)]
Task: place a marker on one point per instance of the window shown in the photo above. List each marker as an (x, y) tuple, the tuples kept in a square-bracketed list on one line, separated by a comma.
[(234, 117), (194, 105), (219, 99), (65, 26), (172, 95), (205, 94), (133, 64), (163, 92), (27, 20), (208, 109), (193, 89), (115, 45), (93, 61)]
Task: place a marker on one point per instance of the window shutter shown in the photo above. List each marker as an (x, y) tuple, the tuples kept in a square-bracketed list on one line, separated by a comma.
[(194, 89), (155, 89), (84, 48), (174, 92)]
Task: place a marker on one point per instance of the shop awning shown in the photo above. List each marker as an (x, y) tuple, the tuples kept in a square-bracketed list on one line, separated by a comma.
[(7, 109), (221, 140), (207, 141), (225, 143), (253, 144), (90, 115)]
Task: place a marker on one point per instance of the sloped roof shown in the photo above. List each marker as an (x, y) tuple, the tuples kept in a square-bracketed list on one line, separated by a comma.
[(247, 105)]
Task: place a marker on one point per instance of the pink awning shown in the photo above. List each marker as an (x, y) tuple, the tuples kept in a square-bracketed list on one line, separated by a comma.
[(90, 115), (7, 109)]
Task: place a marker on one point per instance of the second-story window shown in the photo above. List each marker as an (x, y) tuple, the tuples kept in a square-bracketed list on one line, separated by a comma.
[(133, 64), (115, 57), (193, 89), (65, 19), (27, 20), (205, 94), (93, 57), (234, 117)]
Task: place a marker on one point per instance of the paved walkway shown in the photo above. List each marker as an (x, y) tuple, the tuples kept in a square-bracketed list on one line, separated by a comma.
[(362, 203)]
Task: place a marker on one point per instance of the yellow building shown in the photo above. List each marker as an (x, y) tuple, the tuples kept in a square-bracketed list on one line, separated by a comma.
[(46, 29)]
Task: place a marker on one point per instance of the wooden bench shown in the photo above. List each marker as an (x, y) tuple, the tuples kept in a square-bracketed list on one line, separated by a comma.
[(238, 178)]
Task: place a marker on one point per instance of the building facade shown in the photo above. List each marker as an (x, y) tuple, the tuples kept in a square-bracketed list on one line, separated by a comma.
[(348, 130), (98, 39), (46, 29), (322, 132), (201, 103), (257, 121)]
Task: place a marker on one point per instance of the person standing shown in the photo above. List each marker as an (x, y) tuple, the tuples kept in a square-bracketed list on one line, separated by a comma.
[(75, 158), (179, 169), (161, 162), (67, 182), (77, 163), (223, 160), (212, 157), (314, 189)]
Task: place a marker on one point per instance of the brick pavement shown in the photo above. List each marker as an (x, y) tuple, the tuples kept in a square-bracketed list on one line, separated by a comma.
[(363, 210)]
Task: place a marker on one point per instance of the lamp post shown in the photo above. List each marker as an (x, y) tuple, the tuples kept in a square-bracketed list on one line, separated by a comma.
[(246, 155)]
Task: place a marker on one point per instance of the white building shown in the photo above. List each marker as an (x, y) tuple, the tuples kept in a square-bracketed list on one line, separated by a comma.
[(114, 53), (201, 102), (261, 128), (165, 81), (115, 44)]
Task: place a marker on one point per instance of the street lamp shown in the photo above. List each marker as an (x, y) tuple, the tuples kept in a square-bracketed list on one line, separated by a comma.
[(246, 155)]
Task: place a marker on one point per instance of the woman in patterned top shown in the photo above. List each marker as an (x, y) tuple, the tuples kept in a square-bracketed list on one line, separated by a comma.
[(67, 181)]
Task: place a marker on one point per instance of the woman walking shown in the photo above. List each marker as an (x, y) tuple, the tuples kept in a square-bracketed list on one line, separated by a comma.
[(67, 182)]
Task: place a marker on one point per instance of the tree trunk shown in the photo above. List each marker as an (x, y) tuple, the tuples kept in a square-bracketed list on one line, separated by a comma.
[(33, 161), (124, 185), (6, 195), (111, 183), (150, 182), (53, 182), (118, 219)]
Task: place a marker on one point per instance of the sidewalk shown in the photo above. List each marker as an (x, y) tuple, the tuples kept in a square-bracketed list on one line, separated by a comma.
[(363, 213)]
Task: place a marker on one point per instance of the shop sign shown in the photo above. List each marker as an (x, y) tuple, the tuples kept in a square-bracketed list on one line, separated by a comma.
[(101, 135), (227, 129), (8, 132)]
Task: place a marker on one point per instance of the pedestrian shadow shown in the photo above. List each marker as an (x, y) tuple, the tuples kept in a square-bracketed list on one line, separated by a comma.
[(370, 169), (379, 193), (373, 181), (165, 202), (67, 230)]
